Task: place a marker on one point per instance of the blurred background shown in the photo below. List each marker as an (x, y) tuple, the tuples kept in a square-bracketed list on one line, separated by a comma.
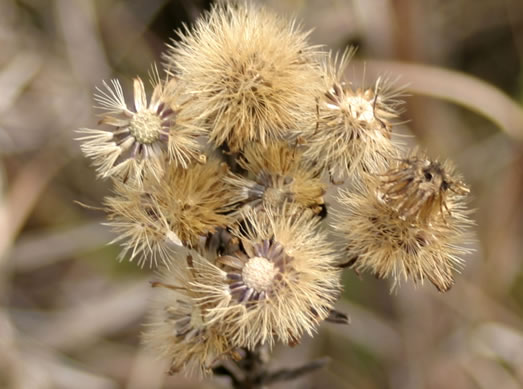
[(70, 314)]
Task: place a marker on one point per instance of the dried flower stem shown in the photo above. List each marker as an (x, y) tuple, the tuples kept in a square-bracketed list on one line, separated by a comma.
[(254, 374)]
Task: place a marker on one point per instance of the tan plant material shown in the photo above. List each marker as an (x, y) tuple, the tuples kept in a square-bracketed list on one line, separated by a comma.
[(281, 285), (244, 262), (275, 175), (185, 206), (252, 74), (410, 222), (353, 130), (177, 330), (134, 147)]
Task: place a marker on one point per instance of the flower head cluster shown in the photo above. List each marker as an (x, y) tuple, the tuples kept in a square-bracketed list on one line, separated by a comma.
[(220, 178), (408, 223), (279, 285)]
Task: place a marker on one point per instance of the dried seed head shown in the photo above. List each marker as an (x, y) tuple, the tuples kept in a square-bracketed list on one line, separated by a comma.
[(280, 174), (419, 187), (281, 285), (141, 229), (196, 200), (353, 130), (177, 330), (252, 73), (186, 205), (395, 229), (258, 276), (141, 137)]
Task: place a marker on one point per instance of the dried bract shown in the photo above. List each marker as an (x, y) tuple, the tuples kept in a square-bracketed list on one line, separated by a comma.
[(419, 187)]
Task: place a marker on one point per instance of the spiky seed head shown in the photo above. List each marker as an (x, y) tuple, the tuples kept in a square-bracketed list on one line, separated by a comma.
[(394, 228), (280, 285), (177, 329), (277, 174), (352, 133), (196, 200), (141, 137), (140, 228), (252, 73), (419, 187), (186, 205)]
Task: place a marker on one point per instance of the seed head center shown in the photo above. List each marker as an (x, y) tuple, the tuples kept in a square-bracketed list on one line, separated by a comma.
[(274, 195), (258, 274), (145, 127), (361, 109)]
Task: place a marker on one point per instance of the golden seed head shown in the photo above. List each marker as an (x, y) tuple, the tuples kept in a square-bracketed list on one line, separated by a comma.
[(253, 74), (140, 138), (178, 330), (258, 274), (279, 174), (280, 284), (185, 205), (403, 235), (352, 133)]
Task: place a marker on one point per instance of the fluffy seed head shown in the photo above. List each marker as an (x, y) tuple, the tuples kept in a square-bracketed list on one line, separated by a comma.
[(186, 205), (177, 330), (142, 231), (278, 174), (280, 285), (140, 138), (395, 228), (353, 128), (252, 74)]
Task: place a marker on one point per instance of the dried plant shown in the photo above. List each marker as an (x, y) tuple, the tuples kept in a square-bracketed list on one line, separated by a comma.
[(178, 329), (410, 222), (252, 74), (135, 147), (221, 178), (276, 174), (282, 282), (352, 133)]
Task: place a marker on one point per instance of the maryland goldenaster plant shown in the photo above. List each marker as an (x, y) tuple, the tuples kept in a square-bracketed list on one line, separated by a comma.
[(220, 180)]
